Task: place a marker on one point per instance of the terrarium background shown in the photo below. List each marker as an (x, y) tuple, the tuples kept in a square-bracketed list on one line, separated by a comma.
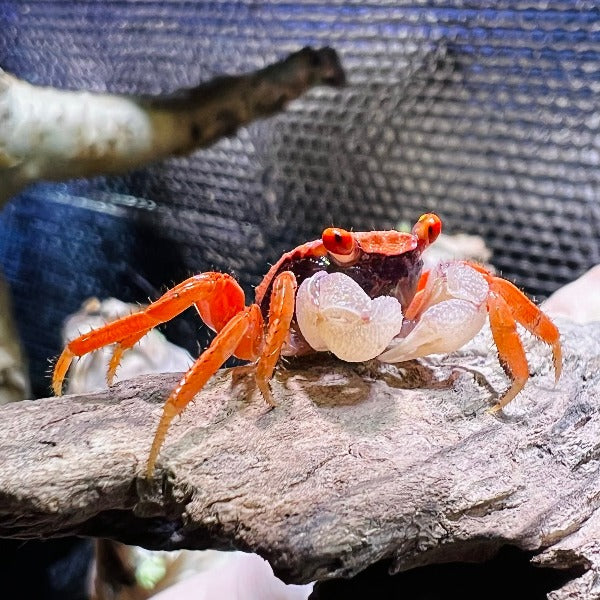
[(486, 112)]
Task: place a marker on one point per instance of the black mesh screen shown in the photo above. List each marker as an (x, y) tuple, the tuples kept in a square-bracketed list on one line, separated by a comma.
[(486, 112)]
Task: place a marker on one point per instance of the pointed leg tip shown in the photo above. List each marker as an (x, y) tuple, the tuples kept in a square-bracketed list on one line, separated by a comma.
[(509, 396), (266, 393), (153, 456), (269, 400), (60, 370), (557, 364)]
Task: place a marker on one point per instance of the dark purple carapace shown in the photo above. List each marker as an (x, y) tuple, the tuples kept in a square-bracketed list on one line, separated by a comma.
[(377, 274)]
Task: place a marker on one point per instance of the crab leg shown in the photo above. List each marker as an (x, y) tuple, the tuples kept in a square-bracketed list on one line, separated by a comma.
[(281, 312), (531, 317), (221, 348), (510, 349), (217, 296), (118, 352)]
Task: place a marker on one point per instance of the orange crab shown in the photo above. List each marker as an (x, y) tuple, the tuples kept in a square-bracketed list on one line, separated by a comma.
[(357, 295)]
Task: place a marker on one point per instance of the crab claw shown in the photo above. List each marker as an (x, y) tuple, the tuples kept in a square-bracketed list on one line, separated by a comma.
[(334, 313), (453, 313)]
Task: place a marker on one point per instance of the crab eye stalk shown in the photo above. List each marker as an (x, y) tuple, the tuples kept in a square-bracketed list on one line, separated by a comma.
[(427, 229), (338, 241)]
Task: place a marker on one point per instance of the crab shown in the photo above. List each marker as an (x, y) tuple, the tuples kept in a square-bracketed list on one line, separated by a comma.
[(359, 295)]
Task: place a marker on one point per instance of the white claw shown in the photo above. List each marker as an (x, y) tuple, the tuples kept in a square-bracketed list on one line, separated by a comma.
[(456, 313), (443, 327), (334, 313)]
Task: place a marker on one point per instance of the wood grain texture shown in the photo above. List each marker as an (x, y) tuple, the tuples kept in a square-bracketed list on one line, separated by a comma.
[(358, 463)]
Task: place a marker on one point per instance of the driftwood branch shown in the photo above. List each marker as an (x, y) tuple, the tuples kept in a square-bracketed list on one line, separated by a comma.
[(357, 464), (50, 134)]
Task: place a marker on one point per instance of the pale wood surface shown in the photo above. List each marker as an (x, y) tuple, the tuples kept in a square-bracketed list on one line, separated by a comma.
[(357, 463)]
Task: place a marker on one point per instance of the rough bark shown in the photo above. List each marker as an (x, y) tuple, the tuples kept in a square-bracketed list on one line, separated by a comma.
[(357, 464)]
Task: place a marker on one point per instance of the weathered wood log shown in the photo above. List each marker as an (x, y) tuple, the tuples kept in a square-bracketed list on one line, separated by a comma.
[(357, 464)]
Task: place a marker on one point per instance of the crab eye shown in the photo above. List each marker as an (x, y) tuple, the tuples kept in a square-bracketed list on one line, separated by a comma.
[(427, 228), (338, 241)]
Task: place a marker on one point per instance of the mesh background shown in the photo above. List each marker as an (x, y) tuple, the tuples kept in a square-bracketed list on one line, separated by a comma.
[(486, 112)]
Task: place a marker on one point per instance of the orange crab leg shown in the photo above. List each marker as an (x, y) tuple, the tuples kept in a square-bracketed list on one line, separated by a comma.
[(510, 349), (120, 348), (281, 312), (526, 313), (531, 317), (60, 370), (198, 290), (221, 348)]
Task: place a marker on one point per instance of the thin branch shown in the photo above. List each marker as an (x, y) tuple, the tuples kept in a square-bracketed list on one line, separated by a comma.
[(50, 134)]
